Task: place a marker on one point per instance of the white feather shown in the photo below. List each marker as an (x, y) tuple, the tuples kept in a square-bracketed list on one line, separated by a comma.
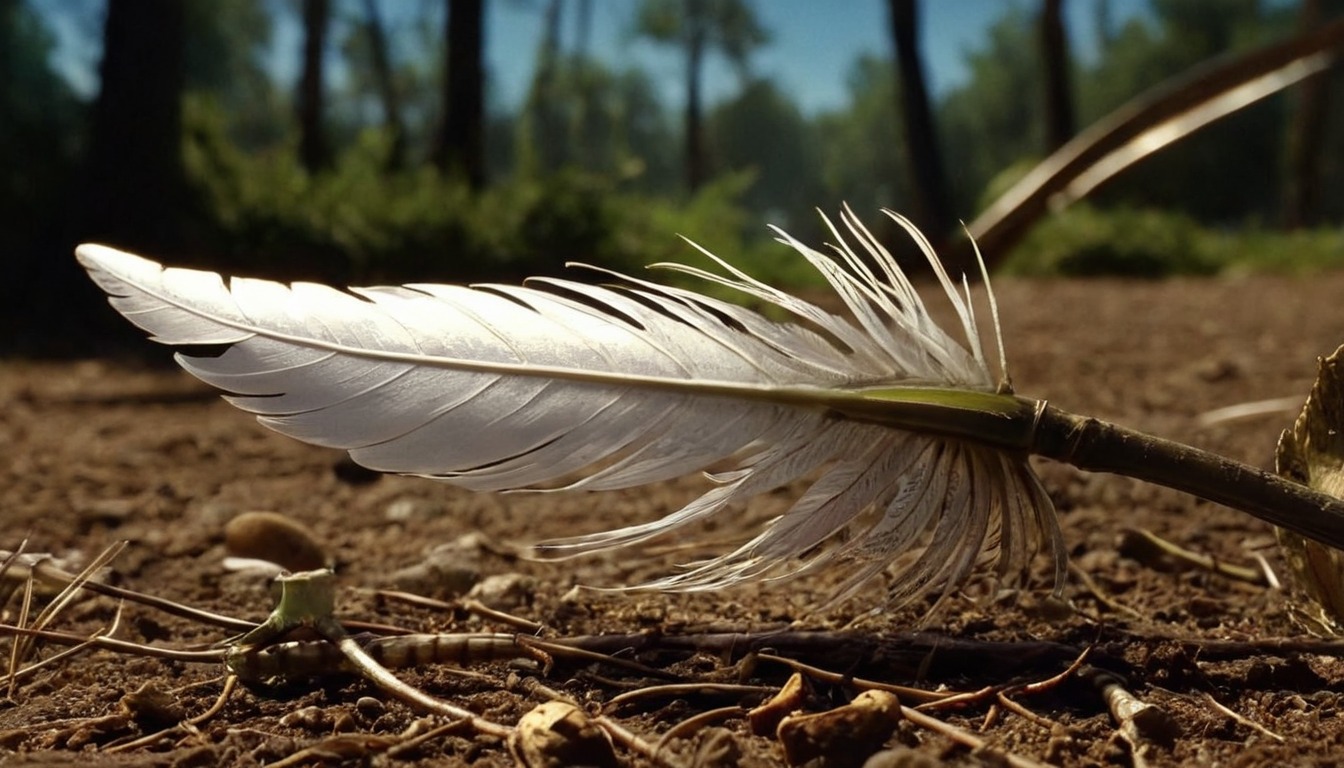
[(496, 387)]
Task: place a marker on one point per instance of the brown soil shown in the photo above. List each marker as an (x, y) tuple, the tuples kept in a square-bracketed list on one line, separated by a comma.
[(94, 452)]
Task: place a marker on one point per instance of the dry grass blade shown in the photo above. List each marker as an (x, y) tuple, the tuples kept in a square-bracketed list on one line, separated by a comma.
[(966, 739), (468, 604), (102, 642), (16, 674), (42, 569), (1198, 560), (677, 690), (68, 594), (1242, 719)]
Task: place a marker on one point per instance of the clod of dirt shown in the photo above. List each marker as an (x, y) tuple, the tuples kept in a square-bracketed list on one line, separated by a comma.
[(902, 757), (274, 538), (557, 734), (504, 591), (152, 705), (845, 736)]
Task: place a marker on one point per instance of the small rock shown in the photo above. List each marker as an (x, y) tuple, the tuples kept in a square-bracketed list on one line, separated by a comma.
[(309, 719), (369, 707), (275, 538), (448, 570), (504, 591), (407, 508)]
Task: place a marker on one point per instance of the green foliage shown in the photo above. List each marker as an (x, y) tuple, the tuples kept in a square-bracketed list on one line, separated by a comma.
[(996, 118), (1086, 241), (263, 214), (860, 162), (762, 132), (729, 26)]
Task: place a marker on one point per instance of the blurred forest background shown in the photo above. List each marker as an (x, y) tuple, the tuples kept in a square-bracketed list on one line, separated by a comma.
[(406, 169)]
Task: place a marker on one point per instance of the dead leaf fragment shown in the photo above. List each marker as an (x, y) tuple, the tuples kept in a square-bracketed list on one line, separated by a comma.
[(842, 737), (765, 719), (558, 734), (1312, 453)]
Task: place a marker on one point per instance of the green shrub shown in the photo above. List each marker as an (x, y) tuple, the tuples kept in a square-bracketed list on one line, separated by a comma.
[(1086, 241), (358, 224)]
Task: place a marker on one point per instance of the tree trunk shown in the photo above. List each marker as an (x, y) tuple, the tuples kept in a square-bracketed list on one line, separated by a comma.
[(695, 149), (461, 145), (1059, 120), (314, 150), (547, 131), (388, 92), (929, 181), (134, 183), (1306, 135)]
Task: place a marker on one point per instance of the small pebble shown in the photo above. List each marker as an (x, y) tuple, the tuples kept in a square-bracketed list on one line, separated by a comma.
[(275, 538), (448, 570), (369, 707), (504, 591), (308, 718)]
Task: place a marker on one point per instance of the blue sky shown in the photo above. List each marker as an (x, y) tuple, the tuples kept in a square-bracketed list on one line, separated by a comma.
[(813, 48)]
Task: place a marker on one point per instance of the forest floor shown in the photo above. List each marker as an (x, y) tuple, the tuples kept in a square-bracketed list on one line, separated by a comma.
[(97, 451)]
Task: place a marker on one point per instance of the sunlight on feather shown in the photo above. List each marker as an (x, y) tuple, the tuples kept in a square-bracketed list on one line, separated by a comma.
[(597, 387)]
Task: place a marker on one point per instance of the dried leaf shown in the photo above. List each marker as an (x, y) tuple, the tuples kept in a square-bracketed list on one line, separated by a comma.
[(844, 736), (556, 734), (1312, 453)]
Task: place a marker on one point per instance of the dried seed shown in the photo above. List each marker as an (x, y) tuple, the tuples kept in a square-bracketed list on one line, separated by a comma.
[(275, 538)]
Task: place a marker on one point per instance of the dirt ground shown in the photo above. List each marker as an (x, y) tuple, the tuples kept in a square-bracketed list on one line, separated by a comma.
[(97, 451)]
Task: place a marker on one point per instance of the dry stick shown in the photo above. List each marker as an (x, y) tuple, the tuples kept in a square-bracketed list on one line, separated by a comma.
[(16, 652), (210, 656), (560, 650), (1020, 424), (1249, 723), (468, 604), (66, 595), (686, 689), (965, 738), (901, 691), (1012, 705), (1100, 595), (16, 675), (1017, 708), (43, 570)]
